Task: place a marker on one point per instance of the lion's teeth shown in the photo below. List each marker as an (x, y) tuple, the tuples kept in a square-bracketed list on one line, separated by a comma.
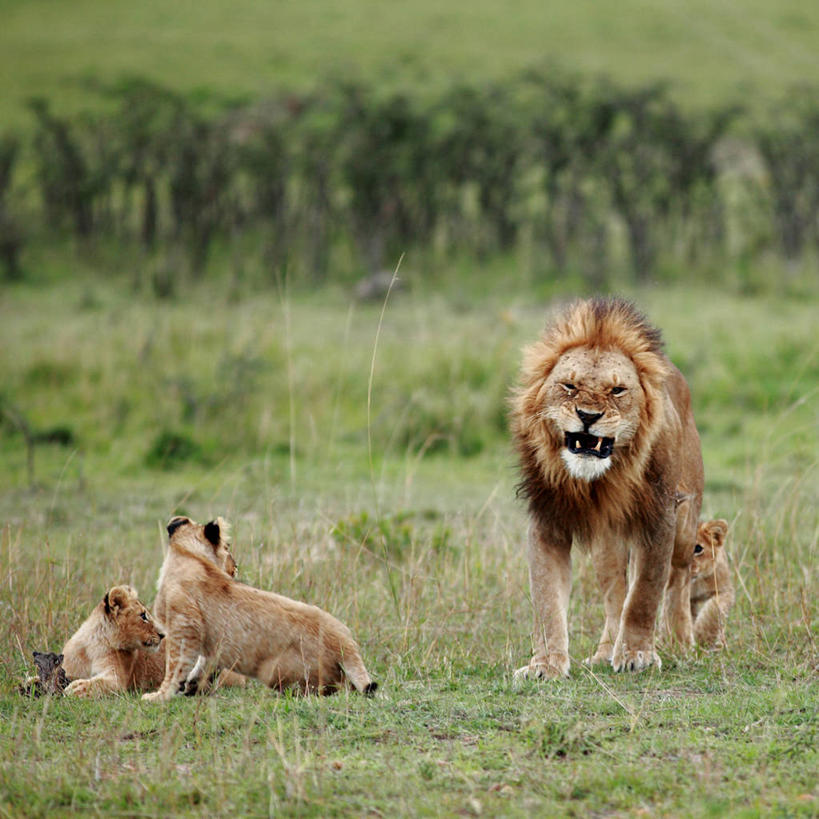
[(599, 441)]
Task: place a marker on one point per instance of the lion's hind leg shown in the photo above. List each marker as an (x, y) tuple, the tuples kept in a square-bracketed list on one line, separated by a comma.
[(610, 559), (677, 607), (677, 620)]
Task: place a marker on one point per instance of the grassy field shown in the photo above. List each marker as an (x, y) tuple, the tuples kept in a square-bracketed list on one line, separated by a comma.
[(739, 49), (377, 480), (366, 466)]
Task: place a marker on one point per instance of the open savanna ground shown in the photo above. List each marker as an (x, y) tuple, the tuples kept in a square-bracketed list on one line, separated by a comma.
[(365, 464)]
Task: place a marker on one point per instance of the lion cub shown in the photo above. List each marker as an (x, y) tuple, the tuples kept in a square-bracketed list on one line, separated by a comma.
[(712, 593), (284, 643), (115, 649)]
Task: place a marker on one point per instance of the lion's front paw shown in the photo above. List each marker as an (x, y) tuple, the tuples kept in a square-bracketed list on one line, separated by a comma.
[(600, 657), (539, 669), (634, 659), (81, 688), (156, 696)]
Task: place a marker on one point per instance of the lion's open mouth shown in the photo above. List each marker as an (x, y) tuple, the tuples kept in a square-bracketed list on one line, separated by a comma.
[(581, 443)]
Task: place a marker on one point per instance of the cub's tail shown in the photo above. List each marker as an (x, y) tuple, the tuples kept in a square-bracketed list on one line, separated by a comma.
[(356, 672)]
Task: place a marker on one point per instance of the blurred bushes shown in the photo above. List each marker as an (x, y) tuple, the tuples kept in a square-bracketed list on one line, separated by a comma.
[(393, 536), (170, 449), (594, 176)]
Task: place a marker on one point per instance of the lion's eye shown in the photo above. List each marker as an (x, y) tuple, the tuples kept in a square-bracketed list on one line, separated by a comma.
[(144, 616), (618, 390), (569, 387), (698, 549)]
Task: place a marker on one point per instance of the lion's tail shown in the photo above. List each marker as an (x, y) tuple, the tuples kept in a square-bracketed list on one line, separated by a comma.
[(356, 672)]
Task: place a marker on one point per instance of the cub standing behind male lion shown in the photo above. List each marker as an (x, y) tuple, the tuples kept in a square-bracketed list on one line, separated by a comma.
[(712, 592), (283, 643), (611, 460)]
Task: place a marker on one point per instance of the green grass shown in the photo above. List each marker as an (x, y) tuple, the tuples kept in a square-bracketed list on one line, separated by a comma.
[(419, 548), (735, 49)]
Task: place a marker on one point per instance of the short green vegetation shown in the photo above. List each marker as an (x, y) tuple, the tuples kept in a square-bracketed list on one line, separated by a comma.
[(370, 472)]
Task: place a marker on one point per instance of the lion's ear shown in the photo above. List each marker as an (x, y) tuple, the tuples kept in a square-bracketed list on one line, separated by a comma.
[(217, 531), (117, 598), (213, 532), (175, 522), (718, 529)]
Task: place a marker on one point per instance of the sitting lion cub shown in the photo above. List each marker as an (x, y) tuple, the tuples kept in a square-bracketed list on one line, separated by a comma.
[(712, 593), (115, 649), (283, 643)]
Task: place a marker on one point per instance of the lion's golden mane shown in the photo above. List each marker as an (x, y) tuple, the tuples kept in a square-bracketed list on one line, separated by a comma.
[(623, 490)]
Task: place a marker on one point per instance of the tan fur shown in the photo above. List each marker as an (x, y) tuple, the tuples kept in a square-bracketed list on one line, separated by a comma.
[(598, 380), (115, 649), (281, 642), (199, 682), (712, 592)]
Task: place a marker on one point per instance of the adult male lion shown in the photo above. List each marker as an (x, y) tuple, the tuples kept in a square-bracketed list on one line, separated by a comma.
[(611, 460)]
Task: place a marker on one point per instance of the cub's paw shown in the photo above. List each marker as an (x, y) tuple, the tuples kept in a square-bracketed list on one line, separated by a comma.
[(634, 659), (155, 696), (81, 688), (554, 668)]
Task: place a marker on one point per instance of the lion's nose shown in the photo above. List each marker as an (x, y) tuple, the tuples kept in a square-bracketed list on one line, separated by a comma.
[(588, 418)]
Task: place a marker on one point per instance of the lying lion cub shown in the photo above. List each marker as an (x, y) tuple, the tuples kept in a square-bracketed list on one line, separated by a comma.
[(712, 593), (283, 643), (115, 649)]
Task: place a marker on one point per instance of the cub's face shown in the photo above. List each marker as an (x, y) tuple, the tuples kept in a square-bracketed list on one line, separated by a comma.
[(594, 400), (710, 540), (209, 541), (134, 627)]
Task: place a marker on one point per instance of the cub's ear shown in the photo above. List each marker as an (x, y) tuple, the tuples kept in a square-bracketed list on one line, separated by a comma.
[(175, 522), (718, 529), (213, 531), (117, 597)]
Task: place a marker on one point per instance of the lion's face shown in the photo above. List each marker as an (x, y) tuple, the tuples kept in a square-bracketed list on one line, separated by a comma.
[(594, 400), (710, 539), (134, 627)]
